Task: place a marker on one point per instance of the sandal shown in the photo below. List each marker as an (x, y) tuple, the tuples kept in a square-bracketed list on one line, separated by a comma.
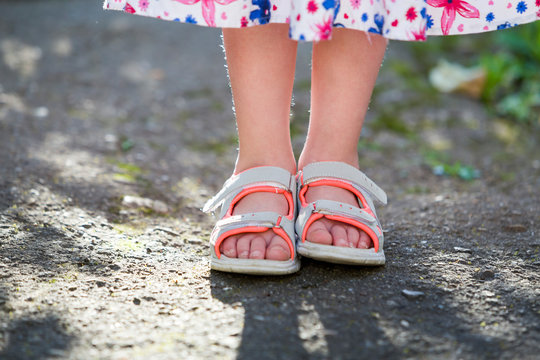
[(347, 177), (258, 179)]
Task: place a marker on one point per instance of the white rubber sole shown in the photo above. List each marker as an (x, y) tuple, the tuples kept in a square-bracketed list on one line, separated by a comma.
[(341, 255), (253, 266)]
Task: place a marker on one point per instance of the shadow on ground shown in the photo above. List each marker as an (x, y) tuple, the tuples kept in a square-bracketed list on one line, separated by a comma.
[(36, 337)]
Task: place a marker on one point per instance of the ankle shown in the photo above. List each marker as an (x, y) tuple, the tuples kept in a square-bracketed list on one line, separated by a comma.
[(309, 157), (286, 162)]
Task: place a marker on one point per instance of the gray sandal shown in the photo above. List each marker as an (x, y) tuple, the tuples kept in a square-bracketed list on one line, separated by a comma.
[(347, 177), (258, 179)]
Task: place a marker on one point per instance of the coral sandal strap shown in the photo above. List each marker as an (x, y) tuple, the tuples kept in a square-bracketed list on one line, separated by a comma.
[(254, 222), (258, 176), (258, 179), (342, 212), (342, 171), (364, 217)]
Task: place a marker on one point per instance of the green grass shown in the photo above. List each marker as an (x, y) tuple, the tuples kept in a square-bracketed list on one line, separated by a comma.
[(441, 165)]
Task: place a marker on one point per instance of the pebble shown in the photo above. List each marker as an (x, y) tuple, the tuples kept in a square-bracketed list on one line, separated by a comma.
[(137, 301), (41, 112), (404, 323), (487, 293), (111, 138), (57, 352), (412, 294), (462, 250)]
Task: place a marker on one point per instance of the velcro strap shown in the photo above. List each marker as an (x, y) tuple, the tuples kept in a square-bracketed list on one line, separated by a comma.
[(266, 219), (346, 172), (263, 175), (329, 207)]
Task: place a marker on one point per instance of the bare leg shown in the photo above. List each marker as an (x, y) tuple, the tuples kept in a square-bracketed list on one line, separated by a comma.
[(261, 64), (344, 71)]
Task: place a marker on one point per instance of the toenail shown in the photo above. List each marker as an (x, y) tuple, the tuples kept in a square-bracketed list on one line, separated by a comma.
[(244, 253), (255, 253), (351, 244), (229, 252)]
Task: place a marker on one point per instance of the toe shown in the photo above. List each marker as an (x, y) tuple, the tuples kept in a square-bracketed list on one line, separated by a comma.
[(242, 246), (278, 249), (339, 235), (318, 233), (228, 247), (365, 241), (353, 234), (257, 248)]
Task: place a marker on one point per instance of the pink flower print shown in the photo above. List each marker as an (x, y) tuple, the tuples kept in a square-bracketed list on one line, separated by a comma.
[(324, 30), (208, 8), (419, 35), (129, 9), (312, 7), (356, 3), (244, 21), (143, 4), (449, 13), (411, 14)]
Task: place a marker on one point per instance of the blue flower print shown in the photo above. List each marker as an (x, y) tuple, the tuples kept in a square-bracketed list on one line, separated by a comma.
[(263, 13), (190, 19), (332, 4), (429, 22), (506, 25), (328, 4), (313, 20), (379, 22), (521, 7)]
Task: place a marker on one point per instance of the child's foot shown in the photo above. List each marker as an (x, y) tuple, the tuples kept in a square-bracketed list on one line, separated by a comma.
[(330, 232), (264, 245)]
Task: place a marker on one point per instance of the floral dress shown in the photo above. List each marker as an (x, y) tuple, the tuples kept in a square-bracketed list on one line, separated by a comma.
[(313, 20)]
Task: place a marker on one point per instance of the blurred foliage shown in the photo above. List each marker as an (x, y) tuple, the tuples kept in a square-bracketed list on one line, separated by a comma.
[(441, 166), (513, 74), (511, 59)]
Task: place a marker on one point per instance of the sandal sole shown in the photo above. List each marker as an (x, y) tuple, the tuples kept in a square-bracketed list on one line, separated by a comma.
[(254, 266), (341, 255)]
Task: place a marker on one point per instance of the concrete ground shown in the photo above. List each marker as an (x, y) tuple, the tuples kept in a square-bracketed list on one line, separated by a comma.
[(114, 130)]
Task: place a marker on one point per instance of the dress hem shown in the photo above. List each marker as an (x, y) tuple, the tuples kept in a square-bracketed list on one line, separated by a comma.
[(418, 36)]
